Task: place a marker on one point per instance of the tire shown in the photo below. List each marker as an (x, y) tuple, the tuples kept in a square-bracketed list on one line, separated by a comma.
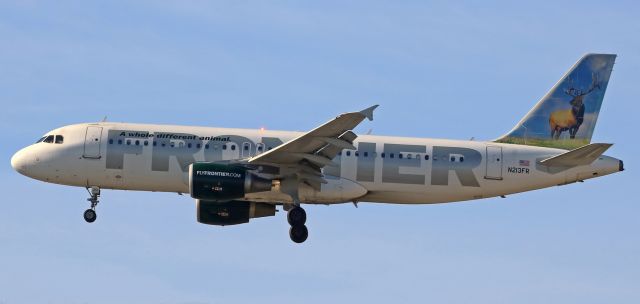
[(296, 216), (298, 234), (90, 215)]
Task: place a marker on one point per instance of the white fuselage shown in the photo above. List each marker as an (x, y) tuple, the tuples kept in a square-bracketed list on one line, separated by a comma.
[(383, 169)]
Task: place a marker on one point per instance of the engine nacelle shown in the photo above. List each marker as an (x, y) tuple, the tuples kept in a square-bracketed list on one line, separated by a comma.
[(219, 182), (231, 213)]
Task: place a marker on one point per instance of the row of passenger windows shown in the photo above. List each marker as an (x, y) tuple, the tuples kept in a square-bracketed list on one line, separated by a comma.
[(260, 148), (58, 139), (130, 142), (393, 155), (384, 155)]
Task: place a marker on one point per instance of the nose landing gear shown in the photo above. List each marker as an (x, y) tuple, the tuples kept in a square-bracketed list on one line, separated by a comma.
[(297, 218), (90, 214)]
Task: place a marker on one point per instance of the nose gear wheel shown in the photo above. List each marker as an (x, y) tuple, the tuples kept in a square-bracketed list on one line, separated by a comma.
[(90, 215)]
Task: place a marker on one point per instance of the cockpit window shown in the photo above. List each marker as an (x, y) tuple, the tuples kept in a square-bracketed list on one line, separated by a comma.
[(49, 139), (41, 139), (59, 139)]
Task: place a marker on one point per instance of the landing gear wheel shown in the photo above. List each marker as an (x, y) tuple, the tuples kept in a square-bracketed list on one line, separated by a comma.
[(298, 233), (296, 216), (94, 198), (90, 215)]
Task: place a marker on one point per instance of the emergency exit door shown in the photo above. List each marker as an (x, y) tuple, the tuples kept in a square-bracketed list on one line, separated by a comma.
[(494, 163), (92, 142)]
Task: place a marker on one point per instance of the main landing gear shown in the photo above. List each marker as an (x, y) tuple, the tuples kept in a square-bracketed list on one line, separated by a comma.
[(90, 214), (297, 217)]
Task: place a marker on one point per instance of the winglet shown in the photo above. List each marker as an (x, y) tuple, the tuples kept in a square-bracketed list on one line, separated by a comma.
[(368, 112)]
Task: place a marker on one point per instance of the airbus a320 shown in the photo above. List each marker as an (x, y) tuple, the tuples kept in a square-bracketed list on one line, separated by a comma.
[(236, 175)]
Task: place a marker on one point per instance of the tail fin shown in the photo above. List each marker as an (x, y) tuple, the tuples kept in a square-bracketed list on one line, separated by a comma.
[(566, 116)]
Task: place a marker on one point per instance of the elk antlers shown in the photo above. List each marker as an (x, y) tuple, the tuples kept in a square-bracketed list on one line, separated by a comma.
[(572, 91)]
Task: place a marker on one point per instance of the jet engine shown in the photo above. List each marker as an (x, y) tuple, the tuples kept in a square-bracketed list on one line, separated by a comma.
[(231, 213), (221, 183)]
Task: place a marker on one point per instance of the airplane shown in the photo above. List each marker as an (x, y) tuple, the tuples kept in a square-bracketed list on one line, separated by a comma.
[(236, 175)]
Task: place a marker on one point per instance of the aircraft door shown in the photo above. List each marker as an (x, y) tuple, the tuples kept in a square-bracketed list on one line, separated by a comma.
[(494, 163), (92, 141)]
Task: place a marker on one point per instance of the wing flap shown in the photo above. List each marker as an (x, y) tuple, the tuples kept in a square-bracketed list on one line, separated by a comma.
[(330, 151)]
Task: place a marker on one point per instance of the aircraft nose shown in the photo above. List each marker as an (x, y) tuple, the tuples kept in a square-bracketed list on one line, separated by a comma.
[(19, 161)]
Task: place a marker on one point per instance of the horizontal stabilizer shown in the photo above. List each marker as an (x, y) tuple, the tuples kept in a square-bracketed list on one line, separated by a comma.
[(584, 155)]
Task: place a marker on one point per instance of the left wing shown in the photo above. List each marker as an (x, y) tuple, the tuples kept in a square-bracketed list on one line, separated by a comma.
[(306, 155)]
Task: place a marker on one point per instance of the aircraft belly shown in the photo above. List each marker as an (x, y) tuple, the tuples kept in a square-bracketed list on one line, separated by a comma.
[(336, 190)]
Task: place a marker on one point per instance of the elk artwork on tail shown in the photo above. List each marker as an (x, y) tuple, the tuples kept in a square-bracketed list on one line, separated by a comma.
[(571, 119)]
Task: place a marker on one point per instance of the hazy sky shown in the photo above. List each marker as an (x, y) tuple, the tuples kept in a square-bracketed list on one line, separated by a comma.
[(437, 70)]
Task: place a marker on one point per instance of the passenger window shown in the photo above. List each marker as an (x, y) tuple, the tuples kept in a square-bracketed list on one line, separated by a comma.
[(357, 153), (224, 147), (399, 155), (390, 155), (49, 139), (172, 144), (111, 141), (409, 156), (348, 153), (137, 142), (128, 142), (246, 147), (461, 159), (233, 147), (189, 145), (155, 143), (382, 155), (206, 146), (260, 148), (164, 145), (119, 141), (198, 146), (453, 158), (59, 139), (426, 157), (146, 142), (365, 154)]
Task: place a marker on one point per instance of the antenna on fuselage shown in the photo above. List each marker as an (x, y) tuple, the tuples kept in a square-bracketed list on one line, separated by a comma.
[(104, 119)]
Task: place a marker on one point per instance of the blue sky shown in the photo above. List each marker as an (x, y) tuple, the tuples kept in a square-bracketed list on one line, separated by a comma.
[(437, 69)]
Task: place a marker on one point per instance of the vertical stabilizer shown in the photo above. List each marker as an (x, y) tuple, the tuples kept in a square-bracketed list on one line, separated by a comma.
[(566, 116)]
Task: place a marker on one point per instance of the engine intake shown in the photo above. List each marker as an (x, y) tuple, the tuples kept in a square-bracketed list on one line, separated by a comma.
[(219, 182)]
